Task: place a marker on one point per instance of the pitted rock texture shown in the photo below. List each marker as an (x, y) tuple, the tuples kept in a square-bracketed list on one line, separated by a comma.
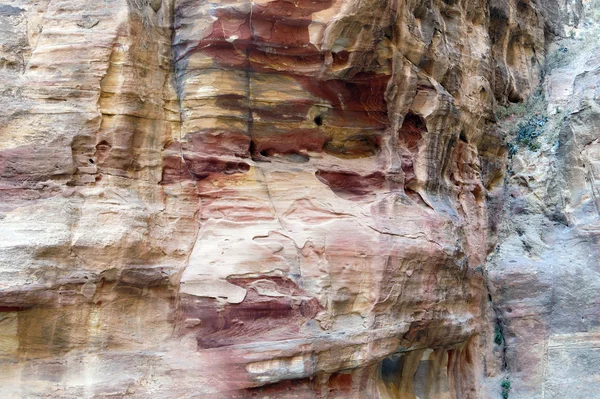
[(254, 198)]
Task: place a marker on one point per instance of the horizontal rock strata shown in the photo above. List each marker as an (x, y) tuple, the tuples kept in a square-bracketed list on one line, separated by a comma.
[(263, 198)]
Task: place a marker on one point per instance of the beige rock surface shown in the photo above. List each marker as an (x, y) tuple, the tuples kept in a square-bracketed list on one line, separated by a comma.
[(271, 198), (544, 274)]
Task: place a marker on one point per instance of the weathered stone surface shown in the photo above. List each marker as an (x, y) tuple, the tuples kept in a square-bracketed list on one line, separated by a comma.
[(544, 274), (263, 198)]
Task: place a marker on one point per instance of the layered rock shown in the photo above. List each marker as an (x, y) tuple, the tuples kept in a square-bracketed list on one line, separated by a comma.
[(257, 198)]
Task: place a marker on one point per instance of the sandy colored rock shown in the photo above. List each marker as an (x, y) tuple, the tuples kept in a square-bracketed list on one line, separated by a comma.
[(276, 198), (544, 274)]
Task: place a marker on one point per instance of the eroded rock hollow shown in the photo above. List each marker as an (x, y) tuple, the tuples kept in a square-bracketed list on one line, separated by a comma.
[(297, 199)]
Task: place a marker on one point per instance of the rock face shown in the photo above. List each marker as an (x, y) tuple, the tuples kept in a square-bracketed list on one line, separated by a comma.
[(543, 277), (289, 199)]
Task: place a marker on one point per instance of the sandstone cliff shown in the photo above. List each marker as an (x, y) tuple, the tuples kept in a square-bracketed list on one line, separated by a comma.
[(292, 199), (543, 276)]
